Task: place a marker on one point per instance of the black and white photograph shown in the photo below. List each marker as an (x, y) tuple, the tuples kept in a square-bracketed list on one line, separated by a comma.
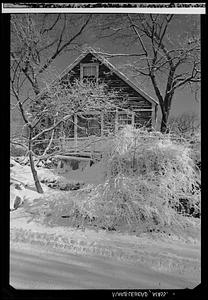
[(105, 147)]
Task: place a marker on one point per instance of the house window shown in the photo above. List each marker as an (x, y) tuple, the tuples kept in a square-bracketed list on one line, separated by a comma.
[(89, 71), (88, 125), (125, 119)]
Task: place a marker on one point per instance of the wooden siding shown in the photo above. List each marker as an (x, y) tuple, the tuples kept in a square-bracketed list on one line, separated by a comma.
[(113, 81), (135, 100)]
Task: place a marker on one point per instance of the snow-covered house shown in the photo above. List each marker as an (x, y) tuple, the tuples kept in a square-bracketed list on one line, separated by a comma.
[(141, 108)]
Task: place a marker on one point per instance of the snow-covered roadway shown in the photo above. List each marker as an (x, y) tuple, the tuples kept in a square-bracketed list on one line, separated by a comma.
[(55, 270)]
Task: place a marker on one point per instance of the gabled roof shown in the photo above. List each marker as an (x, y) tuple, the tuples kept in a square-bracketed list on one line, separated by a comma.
[(110, 66)]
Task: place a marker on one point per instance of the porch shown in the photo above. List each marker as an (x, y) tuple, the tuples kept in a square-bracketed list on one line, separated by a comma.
[(87, 133), (85, 136)]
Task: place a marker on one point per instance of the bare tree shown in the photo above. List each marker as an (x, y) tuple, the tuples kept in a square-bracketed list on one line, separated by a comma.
[(36, 41), (62, 100), (168, 62), (59, 103)]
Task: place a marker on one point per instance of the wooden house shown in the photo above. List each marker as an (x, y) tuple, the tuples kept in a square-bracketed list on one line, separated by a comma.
[(85, 135)]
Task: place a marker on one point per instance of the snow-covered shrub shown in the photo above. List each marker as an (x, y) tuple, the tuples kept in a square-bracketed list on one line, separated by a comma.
[(148, 178)]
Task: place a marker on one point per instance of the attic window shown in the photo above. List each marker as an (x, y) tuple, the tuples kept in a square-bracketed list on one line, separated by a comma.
[(89, 71)]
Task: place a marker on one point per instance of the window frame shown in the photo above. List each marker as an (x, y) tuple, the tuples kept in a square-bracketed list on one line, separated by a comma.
[(89, 65), (83, 116)]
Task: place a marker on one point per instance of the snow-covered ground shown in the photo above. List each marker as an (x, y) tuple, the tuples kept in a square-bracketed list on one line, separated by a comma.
[(33, 268), (64, 257)]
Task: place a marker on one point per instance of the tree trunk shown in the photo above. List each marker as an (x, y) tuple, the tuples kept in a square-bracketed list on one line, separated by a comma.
[(32, 166), (35, 175), (166, 112), (164, 123)]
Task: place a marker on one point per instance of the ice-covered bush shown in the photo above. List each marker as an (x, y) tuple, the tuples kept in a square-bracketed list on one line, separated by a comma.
[(150, 184), (147, 178)]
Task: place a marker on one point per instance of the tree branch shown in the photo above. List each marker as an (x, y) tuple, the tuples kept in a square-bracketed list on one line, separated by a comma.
[(157, 91), (51, 128), (61, 35), (20, 105), (140, 39), (52, 26), (51, 139), (57, 52)]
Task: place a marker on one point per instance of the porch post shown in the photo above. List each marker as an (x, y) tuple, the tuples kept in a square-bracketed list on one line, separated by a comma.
[(62, 136), (154, 116), (116, 121), (132, 118), (75, 131), (101, 123)]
